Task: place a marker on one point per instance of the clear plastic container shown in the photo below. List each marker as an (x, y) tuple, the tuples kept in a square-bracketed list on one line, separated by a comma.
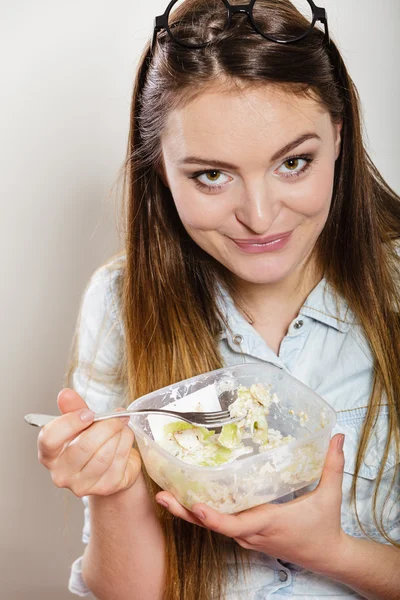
[(251, 479)]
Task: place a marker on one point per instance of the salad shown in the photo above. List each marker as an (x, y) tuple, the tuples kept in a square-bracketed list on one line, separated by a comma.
[(209, 466), (203, 447)]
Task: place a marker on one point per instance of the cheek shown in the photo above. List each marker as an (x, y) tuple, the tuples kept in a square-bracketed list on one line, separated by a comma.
[(313, 198), (203, 213)]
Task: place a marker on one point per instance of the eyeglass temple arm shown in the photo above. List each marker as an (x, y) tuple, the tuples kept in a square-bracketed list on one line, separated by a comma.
[(320, 15), (160, 22)]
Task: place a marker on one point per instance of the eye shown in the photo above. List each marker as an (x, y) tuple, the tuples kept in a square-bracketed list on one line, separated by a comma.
[(292, 165), (211, 179)]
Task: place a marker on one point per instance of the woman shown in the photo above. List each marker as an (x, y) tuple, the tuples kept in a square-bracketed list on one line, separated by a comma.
[(258, 229)]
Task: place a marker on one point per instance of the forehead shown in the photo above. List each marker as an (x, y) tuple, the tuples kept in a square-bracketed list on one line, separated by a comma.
[(221, 122)]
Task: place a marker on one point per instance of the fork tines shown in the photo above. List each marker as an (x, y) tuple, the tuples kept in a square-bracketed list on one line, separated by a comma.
[(221, 415)]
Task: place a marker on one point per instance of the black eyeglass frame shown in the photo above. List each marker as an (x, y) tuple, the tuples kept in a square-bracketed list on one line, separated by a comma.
[(161, 22)]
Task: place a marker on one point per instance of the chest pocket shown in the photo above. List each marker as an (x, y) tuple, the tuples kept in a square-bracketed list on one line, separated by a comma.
[(351, 423)]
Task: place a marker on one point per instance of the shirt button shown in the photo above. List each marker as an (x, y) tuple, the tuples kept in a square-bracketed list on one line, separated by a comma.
[(282, 575), (298, 324), (237, 339)]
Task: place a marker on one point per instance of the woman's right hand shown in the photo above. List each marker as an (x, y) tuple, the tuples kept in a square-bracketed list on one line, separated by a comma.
[(88, 458)]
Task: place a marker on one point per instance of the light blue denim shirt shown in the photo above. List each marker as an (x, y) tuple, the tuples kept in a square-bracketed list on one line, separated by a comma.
[(325, 349)]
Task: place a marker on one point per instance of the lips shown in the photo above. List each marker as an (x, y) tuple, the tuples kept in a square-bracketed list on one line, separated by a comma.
[(271, 243), (265, 240)]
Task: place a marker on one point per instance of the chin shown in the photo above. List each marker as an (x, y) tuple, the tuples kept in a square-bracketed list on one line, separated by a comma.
[(260, 276)]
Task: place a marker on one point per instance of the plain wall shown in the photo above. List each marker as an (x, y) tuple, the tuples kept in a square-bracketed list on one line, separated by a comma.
[(67, 70)]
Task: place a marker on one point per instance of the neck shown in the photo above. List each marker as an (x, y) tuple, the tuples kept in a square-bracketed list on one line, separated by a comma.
[(278, 301)]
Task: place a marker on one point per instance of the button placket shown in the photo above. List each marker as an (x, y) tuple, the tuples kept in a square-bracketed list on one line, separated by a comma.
[(283, 576), (236, 342), (293, 343), (298, 327), (237, 339)]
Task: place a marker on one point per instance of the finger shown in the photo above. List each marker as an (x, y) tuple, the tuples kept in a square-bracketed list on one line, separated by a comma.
[(83, 447), (241, 525), (54, 436), (116, 476), (87, 480), (68, 400), (332, 474), (133, 469), (245, 544), (175, 508), (128, 462)]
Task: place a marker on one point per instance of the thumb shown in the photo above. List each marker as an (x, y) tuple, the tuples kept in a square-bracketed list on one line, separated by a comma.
[(68, 400), (332, 475)]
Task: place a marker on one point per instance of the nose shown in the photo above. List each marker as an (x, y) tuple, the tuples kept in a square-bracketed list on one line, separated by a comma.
[(258, 209)]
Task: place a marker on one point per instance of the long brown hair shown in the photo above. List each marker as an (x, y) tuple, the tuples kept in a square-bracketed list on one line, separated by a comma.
[(168, 291)]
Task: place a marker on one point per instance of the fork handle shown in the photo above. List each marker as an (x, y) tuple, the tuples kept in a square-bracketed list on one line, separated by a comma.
[(40, 420), (127, 413)]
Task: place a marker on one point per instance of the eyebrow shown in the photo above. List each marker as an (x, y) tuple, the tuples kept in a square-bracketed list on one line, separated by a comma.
[(198, 160)]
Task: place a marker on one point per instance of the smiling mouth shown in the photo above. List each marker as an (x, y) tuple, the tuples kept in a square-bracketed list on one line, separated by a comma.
[(272, 243), (263, 241)]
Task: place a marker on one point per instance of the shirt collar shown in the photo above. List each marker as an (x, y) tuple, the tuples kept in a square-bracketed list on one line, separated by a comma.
[(322, 304)]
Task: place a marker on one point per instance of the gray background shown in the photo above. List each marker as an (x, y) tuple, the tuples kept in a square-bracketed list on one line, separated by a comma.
[(66, 77)]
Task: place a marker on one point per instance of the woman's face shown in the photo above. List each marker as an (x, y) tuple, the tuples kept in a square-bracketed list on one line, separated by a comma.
[(248, 199)]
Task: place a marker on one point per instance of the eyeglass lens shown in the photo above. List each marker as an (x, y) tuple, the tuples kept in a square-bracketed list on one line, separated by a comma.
[(201, 29)]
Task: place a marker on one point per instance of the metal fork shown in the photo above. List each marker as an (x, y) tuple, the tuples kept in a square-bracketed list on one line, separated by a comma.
[(204, 419)]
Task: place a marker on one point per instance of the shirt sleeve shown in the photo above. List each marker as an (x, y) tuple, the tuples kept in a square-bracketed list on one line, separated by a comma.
[(96, 374)]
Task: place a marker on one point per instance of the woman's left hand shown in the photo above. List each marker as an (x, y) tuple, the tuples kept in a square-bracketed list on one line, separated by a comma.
[(305, 531)]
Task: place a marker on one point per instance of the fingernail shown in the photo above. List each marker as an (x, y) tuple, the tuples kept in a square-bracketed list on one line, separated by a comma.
[(163, 503), (199, 513), (340, 443), (87, 415)]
